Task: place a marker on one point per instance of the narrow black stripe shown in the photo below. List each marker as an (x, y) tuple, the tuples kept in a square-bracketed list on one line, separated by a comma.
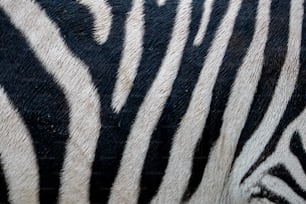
[(3, 185), (157, 157), (267, 194), (40, 102), (236, 50), (274, 57), (294, 107), (296, 147), (281, 172), (159, 22)]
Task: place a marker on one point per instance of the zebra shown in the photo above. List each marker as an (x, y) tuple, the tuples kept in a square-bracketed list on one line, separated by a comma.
[(144, 101)]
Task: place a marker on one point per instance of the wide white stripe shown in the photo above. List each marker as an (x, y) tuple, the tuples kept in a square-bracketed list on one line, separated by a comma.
[(101, 12), (17, 155), (72, 75), (131, 55), (125, 188), (207, 7), (283, 91)]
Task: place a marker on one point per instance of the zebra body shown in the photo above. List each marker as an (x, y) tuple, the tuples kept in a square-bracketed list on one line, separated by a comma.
[(143, 101)]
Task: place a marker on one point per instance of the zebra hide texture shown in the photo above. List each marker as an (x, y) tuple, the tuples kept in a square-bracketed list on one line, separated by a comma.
[(153, 101)]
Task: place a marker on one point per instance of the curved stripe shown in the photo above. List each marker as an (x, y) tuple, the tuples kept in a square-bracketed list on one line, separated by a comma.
[(71, 74), (296, 147), (281, 189), (102, 18), (131, 55), (265, 195), (40, 102), (282, 173), (281, 97), (17, 155), (274, 59), (150, 111), (207, 8), (114, 133), (296, 103), (177, 103)]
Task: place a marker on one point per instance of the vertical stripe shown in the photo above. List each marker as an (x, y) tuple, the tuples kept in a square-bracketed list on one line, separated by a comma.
[(102, 18), (178, 101), (176, 105), (81, 95), (223, 49), (17, 155), (297, 102), (116, 127), (40, 102), (131, 56), (234, 90), (3, 185), (204, 22), (275, 53), (150, 111)]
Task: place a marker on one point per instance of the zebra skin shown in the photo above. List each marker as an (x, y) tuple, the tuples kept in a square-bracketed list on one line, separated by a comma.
[(144, 101)]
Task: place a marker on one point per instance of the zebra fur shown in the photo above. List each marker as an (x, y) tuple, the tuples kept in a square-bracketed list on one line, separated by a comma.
[(143, 101)]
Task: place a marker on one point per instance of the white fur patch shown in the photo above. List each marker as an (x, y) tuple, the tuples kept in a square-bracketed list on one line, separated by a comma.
[(131, 55), (17, 155)]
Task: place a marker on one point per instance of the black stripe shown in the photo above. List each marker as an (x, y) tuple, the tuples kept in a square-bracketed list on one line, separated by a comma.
[(281, 172), (3, 186), (274, 57), (271, 196), (40, 102), (237, 48), (157, 157), (76, 26), (158, 27), (296, 147), (294, 107)]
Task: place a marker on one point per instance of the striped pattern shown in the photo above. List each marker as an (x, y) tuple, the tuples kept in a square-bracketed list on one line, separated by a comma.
[(144, 101)]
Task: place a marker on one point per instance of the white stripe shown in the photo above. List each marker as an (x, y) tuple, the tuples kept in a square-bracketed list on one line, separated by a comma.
[(101, 12), (131, 55), (283, 153), (72, 75), (281, 188), (283, 91), (207, 7), (238, 106), (178, 170), (17, 155), (125, 188), (161, 2)]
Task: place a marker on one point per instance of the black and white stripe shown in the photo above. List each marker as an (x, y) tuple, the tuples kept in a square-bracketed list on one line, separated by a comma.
[(144, 101)]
